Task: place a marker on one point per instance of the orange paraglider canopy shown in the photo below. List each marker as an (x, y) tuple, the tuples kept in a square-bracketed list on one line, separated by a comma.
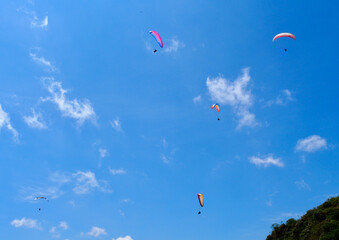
[(201, 199)]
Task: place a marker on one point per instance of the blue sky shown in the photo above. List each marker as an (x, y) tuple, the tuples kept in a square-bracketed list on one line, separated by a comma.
[(120, 140)]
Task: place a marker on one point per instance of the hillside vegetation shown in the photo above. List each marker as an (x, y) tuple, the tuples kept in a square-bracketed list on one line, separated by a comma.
[(321, 223)]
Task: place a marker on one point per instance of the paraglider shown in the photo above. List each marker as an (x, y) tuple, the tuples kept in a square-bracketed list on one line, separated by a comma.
[(280, 35), (201, 200), (37, 198), (40, 198), (217, 107), (157, 38)]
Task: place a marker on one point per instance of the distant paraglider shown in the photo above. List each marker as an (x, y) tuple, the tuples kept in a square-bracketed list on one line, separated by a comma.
[(217, 107), (40, 198), (280, 35), (201, 200), (37, 198), (157, 38)]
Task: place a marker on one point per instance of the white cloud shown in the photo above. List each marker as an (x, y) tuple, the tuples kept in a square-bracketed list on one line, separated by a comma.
[(284, 216), (85, 182), (164, 143), (63, 225), (52, 229), (5, 121), (116, 124), (246, 119), (50, 192), (165, 159), (282, 99), (311, 144), (42, 61), (197, 99), (173, 45), (59, 178), (234, 94), (269, 203), (103, 152), (37, 23), (123, 238), (122, 213), (302, 185), (96, 232), (117, 171), (80, 110), (27, 223), (80, 182), (35, 121), (265, 162)]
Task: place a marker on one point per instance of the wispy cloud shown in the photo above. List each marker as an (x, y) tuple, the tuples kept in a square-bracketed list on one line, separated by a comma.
[(27, 223), (35, 121), (167, 155), (50, 192), (123, 238), (96, 232), (164, 143), (269, 203), (311, 144), (80, 182), (103, 152), (166, 159), (301, 184), (173, 45), (41, 60), (35, 22), (282, 99), (52, 230), (197, 99), (266, 162), (235, 94), (117, 171), (5, 121), (64, 225), (59, 178), (80, 110), (285, 216), (86, 182), (122, 213), (116, 124), (38, 23)]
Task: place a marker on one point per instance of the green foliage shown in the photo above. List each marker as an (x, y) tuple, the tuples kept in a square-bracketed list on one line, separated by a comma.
[(321, 223)]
